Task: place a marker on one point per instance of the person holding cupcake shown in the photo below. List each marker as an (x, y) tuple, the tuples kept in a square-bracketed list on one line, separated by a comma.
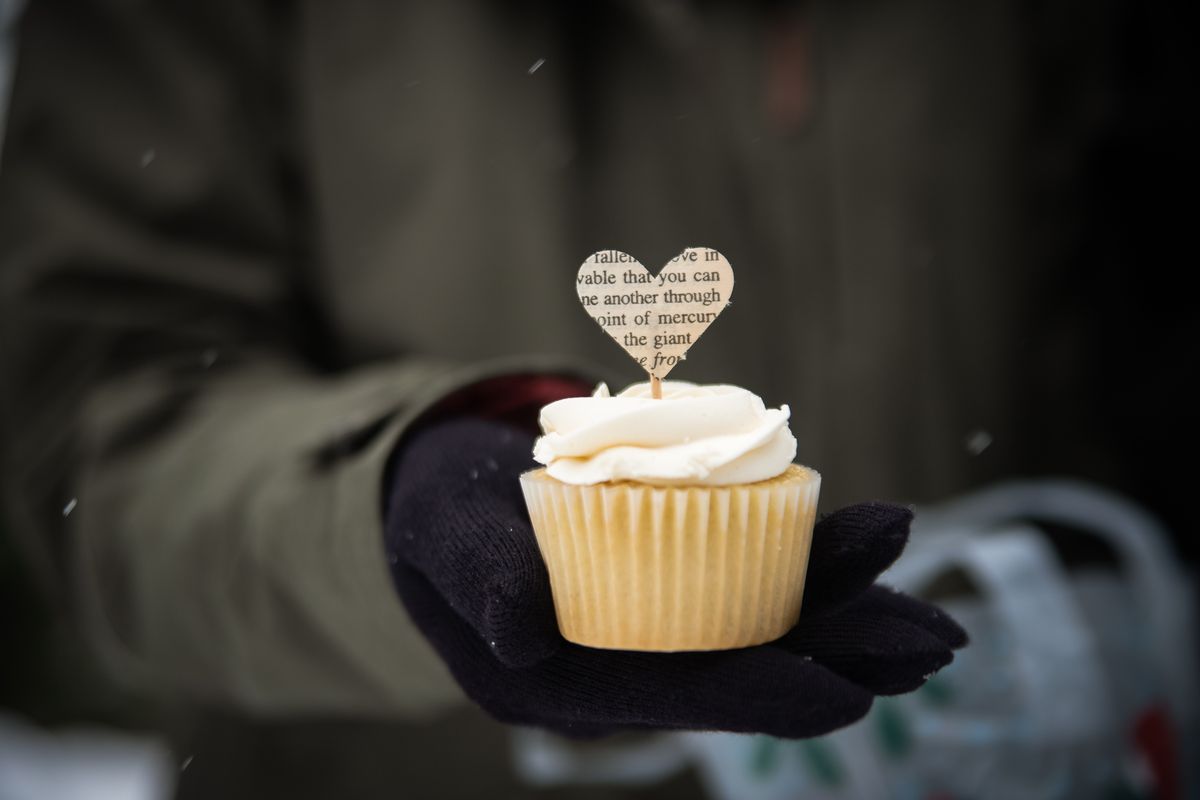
[(655, 572)]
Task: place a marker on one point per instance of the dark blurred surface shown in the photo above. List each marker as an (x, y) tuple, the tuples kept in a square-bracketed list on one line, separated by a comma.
[(1115, 138), (371, 760)]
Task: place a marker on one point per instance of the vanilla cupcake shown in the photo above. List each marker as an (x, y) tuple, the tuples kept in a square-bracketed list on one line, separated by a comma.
[(671, 524)]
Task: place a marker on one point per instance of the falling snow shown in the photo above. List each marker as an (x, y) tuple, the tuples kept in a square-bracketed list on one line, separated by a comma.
[(70, 506), (978, 441), (148, 157), (537, 65)]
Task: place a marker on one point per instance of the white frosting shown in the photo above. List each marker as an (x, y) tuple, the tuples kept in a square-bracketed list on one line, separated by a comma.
[(696, 435)]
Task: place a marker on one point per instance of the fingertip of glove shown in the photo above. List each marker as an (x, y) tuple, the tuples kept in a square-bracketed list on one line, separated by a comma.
[(877, 641), (953, 634), (873, 525), (903, 683), (932, 618), (850, 548), (908, 674)]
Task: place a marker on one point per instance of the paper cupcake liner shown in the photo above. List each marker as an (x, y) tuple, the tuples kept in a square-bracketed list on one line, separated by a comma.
[(638, 567)]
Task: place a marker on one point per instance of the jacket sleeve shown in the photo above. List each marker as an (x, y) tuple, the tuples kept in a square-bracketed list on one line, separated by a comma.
[(188, 458)]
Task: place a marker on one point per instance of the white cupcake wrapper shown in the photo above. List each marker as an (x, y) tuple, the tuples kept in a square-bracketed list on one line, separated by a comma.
[(639, 567)]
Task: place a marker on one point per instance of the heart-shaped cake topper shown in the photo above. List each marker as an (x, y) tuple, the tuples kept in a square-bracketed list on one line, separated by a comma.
[(656, 318)]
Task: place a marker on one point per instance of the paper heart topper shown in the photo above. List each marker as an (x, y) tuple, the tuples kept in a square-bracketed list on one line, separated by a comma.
[(656, 318)]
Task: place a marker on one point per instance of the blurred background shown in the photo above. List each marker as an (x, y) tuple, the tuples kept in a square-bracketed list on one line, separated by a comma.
[(961, 233)]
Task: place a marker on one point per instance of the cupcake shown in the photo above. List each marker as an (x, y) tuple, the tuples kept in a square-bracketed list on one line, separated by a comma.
[(671, 524)]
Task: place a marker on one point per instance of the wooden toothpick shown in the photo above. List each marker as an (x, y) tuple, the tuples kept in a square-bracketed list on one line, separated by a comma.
[(656, 387)]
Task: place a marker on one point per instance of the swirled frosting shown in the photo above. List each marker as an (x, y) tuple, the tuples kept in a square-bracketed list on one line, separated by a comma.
[(711, 435)]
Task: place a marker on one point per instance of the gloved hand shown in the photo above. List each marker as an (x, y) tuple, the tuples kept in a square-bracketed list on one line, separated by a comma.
[(467, 566)]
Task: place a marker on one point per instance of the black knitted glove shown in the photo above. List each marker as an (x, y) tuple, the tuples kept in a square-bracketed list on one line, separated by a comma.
[(467, 566)]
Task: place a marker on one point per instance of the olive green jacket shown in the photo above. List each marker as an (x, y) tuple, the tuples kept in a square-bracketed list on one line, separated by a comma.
[(242, 247)]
